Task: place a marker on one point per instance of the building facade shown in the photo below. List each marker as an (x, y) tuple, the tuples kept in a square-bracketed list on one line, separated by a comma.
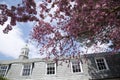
[(102, 66)]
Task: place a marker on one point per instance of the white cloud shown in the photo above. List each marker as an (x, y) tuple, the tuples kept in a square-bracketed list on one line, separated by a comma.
[(34, 52), (99, 48), (11, 43), (96, 48)]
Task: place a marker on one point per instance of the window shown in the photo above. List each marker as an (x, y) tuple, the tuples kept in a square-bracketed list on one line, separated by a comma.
[(76, 66), (101, 64), (3, 70), (26, 69), (51, 68)]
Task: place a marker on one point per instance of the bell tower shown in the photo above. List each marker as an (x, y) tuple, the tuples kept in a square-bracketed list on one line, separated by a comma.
[(24, 52)]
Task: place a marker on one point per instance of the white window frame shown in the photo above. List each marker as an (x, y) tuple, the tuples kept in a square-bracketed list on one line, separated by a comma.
[(80, 65), (5, 73), (47, 67), (107, 68), (31, 65)]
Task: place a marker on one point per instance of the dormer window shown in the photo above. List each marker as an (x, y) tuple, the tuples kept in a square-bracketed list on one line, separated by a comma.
[(27, 69), (101, 64), (3, 70), (76, 66), (51, 67)]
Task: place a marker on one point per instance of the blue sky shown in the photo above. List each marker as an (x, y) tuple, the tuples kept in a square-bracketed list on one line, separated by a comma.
[(11, 43)]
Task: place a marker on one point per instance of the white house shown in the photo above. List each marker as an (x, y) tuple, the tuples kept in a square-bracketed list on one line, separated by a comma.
[(102, 66)]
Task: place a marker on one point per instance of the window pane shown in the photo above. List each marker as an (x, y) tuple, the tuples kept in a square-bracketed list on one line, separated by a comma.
[(50, 68), (3, 70), (26, 69), (76, 66), (101, 64)]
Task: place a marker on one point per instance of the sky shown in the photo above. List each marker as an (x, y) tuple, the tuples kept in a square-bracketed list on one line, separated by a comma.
[(11, 43)]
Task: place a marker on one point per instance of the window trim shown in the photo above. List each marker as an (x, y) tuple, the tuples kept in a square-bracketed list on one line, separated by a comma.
[(79, 66), (47, 66), (6, 68), (31, 66), (106, 65)]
